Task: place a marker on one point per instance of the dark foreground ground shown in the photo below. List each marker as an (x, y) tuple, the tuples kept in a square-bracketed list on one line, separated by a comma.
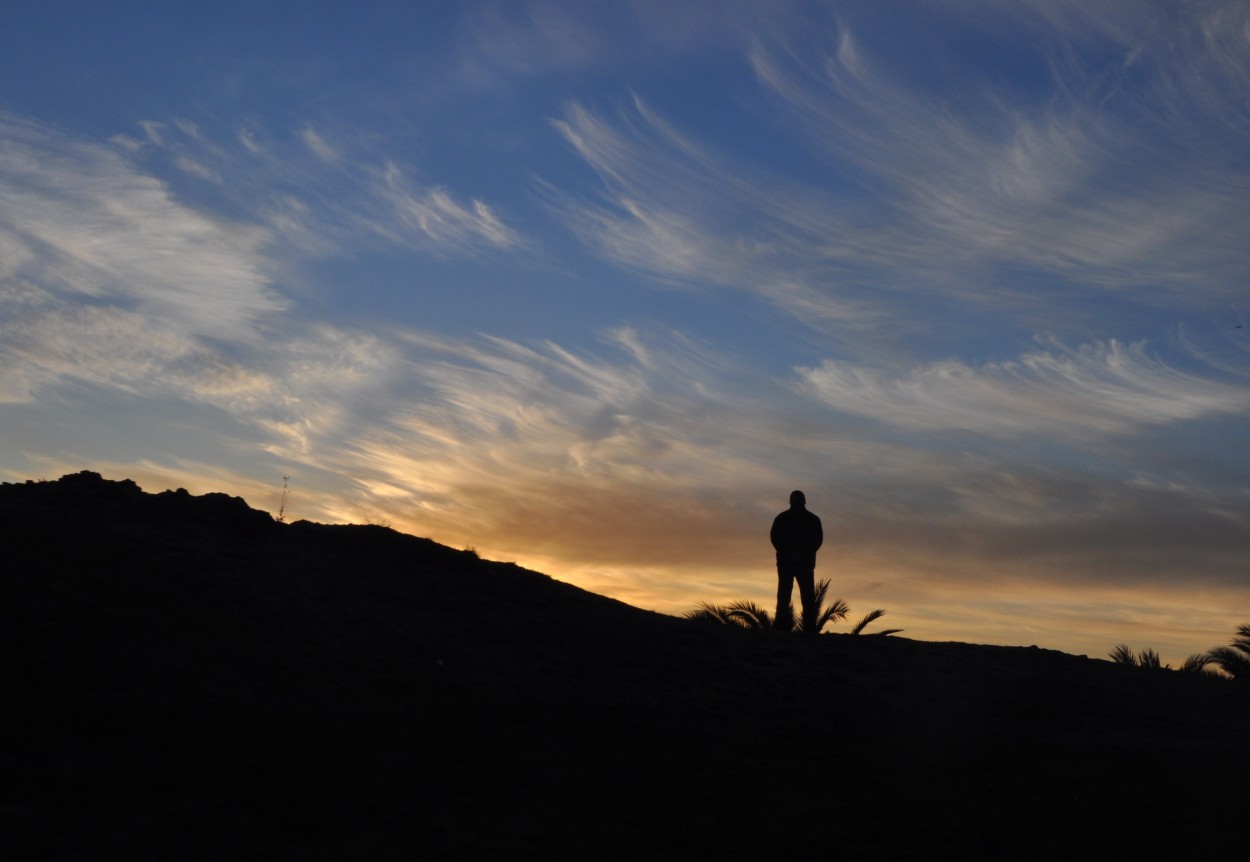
[(185, 679)]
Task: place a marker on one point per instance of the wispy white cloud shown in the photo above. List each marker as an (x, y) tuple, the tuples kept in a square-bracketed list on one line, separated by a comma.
[(434, 213), (315, 191), (154, 131), (108, 280), (1000, 194), (339, 198), (247, 138), (318, 145), (1061, 181), (1102, 389), (681, 213), (87, 224), (528, 39), (501, 43), (98, 344), (191, 166)]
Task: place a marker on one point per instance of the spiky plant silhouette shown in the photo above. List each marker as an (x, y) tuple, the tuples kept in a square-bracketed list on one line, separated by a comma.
[(744, 614), (1148, 658), (1199, 663), (1234, 659), (828, 610), (748, 615), (1122, 654), (871, 617)]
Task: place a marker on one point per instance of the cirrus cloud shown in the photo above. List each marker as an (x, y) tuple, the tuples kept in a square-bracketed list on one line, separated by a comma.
[(1101, 389)]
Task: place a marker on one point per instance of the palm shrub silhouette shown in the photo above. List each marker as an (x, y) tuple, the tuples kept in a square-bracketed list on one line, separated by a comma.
[(1121, 654), (1199, 663), (748, 615), (1234, 659), (871, 617), (744, 614), (1148, 658), (828, 610)]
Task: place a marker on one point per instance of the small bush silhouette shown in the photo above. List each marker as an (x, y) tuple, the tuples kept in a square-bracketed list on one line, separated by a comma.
[(872, 617), (1234, 659), (744, 614), (1148, 658), (748, 615), (1122, 654)]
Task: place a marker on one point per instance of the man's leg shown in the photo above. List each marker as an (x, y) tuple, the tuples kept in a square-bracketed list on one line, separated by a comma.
[(807, 595), (783, 620)]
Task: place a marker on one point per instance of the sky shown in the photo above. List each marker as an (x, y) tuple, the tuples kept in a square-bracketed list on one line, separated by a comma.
[(593, 286)]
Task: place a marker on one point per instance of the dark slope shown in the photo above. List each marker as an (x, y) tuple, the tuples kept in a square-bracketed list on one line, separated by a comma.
[(185, 678)]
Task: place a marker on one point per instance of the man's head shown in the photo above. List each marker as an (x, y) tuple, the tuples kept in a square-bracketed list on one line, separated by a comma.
[(797, 500)]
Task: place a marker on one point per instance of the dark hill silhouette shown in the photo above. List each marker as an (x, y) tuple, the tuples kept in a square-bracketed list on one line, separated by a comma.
[(186, 678)]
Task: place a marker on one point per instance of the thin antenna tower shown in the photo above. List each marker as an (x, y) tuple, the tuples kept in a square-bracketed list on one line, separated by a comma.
[(282, 505)]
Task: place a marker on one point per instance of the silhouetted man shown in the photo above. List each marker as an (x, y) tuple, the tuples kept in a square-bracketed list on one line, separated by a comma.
[(796, 535)]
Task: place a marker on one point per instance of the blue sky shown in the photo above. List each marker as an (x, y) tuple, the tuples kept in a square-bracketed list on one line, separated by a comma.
[(593, 286)]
